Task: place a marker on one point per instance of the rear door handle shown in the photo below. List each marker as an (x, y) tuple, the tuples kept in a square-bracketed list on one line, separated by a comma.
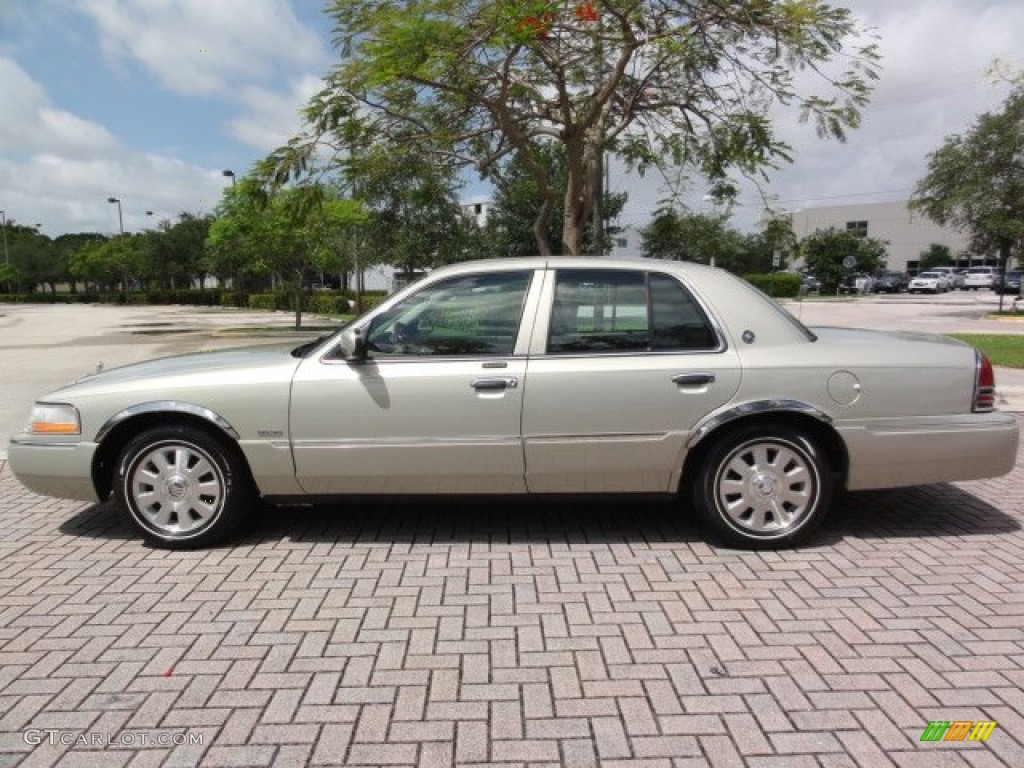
[(693, 379), (490, 385)]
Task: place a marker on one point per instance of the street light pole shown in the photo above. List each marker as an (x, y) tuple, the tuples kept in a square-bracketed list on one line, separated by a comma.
[(7, 259), (120, 216)]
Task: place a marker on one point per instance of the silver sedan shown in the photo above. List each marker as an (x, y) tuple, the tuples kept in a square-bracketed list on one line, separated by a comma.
[(531, 376)]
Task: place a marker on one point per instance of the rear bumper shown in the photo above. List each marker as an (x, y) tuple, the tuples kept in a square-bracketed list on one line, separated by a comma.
[(889, 453), (63, 470)]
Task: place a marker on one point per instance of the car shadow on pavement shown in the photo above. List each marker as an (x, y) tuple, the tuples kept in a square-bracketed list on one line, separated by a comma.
[(927, 511), (932, 511)]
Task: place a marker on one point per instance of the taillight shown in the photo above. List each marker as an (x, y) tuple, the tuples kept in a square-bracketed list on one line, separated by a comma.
[(984, 384)]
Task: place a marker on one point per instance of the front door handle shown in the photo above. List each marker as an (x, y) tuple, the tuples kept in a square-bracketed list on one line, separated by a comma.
[(490, 385), (693, 379)]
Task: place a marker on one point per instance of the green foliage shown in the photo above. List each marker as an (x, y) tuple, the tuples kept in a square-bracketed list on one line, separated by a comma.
[(177, 250), (415, 220), (784, 285), (975, 180), (202, 298), (936, 255), (237, 299), (704, 238), (688, 83), (270, 301), (825, 249), (1000, 348), (287, 233), (519, 208)]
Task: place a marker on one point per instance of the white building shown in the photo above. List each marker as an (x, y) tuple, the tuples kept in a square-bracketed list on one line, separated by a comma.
[(906, 233), (477, 208)]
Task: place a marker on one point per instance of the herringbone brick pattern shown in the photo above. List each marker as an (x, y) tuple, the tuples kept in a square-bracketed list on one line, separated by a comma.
[(577, 632)]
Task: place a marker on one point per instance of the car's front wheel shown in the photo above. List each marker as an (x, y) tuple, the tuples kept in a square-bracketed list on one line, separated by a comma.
[(764, 487), (182, 488)]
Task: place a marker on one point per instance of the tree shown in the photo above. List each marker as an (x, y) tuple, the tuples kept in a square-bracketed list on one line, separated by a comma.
[(825, 250), (32, 257), (517, 203), (117, 260), (415, 220), (936, 255), (177, 249), (700, 237), (687, 83), (66, 246), (975, 181), (288, 234)]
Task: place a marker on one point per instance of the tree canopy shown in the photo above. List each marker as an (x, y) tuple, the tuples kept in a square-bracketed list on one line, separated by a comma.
[(288, 234), (825, 250), (975, 181), (686, 83)]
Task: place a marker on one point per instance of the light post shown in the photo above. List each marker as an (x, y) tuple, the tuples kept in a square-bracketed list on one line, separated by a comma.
[(7, 259), (120, 216), (227, 172)]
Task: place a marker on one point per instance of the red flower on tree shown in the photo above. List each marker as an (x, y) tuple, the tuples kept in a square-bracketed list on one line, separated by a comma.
[(540, 26), (586, 11)]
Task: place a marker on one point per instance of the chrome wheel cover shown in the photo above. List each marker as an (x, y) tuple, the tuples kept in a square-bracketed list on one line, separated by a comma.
[(767, 487), (176, 489)]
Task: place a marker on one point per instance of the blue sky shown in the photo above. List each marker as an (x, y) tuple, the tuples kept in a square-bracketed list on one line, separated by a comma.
[(149, 100)]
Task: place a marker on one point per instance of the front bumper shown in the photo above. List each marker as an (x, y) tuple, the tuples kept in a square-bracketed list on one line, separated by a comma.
[(61, 469)]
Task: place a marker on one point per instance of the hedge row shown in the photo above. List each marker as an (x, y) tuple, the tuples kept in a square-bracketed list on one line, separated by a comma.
[(317, 303), (783, 285)]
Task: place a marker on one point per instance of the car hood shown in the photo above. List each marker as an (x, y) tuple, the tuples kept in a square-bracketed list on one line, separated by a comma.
[(228, 365)]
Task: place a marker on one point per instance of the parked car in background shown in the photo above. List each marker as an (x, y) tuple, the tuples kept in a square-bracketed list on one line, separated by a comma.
[(1011, 285), (892, 282), (857, 283), (928, 282), (530, 376), (979, 277), (954, 278), (810, 284)]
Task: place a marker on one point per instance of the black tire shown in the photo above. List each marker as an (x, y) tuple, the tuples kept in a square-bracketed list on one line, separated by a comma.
[(763, 487), (182, 488)]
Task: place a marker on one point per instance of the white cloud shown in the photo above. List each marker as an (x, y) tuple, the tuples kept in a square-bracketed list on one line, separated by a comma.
[(206, 46), (271, 118), (59, 169), (26, 104)]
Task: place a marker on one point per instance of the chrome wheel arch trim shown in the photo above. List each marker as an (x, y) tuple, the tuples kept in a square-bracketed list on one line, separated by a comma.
[(167, 406), (754, 408)]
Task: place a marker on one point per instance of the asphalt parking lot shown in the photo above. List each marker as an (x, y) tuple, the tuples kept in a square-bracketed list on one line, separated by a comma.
[(512, 632)]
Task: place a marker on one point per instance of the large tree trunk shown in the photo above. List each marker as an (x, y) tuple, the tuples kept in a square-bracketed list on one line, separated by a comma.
[(574, 212)]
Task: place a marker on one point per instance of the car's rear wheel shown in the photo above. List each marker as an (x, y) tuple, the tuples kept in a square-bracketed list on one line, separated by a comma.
[(182, 488), (763, 486)]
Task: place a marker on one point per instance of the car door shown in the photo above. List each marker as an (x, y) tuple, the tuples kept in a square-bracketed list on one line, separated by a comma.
[(622, 368), (436, 405)]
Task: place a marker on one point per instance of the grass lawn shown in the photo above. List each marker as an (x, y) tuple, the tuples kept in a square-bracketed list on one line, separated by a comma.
[(1002, 349)]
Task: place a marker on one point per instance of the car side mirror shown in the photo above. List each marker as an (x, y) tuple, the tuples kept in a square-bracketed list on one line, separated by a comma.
[(353, 345)]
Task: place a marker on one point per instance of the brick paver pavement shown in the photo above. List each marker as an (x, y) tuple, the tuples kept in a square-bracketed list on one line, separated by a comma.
[(574, 632)]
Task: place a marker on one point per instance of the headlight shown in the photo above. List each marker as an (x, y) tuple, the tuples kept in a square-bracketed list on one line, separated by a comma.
[(53, 419)]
